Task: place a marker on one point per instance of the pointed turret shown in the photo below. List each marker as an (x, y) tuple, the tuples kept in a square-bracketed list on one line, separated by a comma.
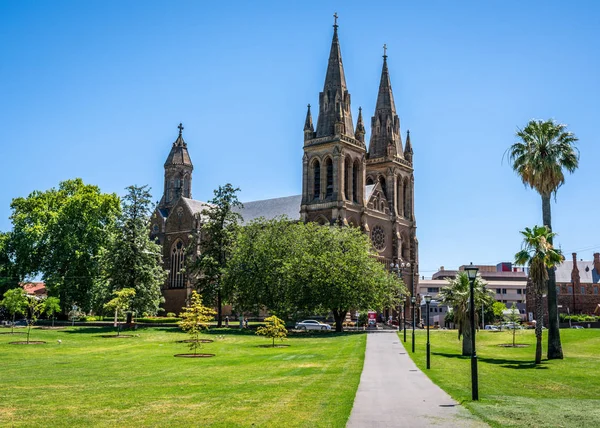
[(178, 173), (360, 127), (334, 102), (179, 153), (408, 151), (385, 124), (309, 130)]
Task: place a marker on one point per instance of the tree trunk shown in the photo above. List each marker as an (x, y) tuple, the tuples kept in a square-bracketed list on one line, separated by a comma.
[(539, 313), (466, 339), (28, 331), (554, 344), (219, 309), (12, 328), (339, 316)]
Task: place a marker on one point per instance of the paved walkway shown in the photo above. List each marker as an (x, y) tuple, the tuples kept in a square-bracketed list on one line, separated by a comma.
[(393, 392)]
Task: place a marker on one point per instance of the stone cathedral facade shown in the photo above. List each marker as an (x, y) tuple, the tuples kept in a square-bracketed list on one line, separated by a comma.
[(344, 181)]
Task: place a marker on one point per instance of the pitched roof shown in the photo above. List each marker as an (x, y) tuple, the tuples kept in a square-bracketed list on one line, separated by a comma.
[(271, 208), (587, 273), (34, 288)]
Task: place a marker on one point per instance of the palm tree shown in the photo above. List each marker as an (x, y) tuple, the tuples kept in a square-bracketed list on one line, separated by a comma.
[(457, 295), (546, 149), (540, 255)]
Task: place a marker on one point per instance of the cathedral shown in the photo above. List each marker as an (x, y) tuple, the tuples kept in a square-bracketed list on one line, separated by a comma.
[(343, 182)]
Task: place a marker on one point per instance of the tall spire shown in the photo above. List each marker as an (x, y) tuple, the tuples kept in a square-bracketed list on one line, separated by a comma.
[(334, 101), (360, 127), (309, 129), (385, 124), (408, 151), (179, 153)]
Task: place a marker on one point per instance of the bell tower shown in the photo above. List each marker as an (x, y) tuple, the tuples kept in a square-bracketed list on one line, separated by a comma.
[(178, 174), (333, 167)]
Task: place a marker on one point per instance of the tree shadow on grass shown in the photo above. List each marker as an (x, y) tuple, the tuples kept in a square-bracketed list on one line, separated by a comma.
[(505, 363)]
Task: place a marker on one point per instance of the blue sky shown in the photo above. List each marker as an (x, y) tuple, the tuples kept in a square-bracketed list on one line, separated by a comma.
[(96, 89)]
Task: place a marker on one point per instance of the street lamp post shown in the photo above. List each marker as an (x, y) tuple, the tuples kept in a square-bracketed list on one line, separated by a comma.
[(427, 301), (404, 316), (413, 300), (472, 274), (399, 268)]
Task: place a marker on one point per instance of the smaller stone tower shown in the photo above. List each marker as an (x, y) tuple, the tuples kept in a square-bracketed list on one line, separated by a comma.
[(178, 174)]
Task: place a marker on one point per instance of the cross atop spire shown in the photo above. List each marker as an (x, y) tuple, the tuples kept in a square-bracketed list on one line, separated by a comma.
[(335, 18), (180, 127), (384, 51)]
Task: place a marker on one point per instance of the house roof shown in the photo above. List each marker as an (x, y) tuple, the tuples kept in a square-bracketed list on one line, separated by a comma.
[(587, 272), (34, 288)]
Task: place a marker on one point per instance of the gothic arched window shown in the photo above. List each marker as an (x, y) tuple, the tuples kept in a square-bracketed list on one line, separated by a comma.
[(369, 181), (383, 188), (329, 169), (406, 199), (177, 278), (316, 179), (355, 181)]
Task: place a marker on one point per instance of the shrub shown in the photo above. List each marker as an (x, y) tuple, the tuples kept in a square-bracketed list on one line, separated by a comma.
[(171, 315)]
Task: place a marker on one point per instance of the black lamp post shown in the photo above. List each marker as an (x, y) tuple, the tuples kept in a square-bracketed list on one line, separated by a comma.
[(404, 316), (427, 301), (413, 300), (472, 274), (399, 268)]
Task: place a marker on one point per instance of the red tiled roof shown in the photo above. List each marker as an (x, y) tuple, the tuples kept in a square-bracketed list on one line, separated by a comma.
[(35, 288)]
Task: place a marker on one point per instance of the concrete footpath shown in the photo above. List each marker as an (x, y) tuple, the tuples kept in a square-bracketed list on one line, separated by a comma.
[(393, 392)]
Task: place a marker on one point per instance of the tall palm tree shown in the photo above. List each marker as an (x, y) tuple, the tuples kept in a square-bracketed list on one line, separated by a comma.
[(545, 150), (457, 295), (540, 255)]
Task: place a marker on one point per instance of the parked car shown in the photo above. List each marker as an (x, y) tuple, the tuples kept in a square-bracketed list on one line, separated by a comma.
[(312, 325), (577, 326), (21, 323), (491, 327), (512, 326)]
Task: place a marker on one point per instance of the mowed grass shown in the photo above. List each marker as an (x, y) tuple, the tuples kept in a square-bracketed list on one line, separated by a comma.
[(513, 392), (88, 380)]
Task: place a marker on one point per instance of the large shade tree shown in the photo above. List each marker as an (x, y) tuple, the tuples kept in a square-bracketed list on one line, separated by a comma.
[(60, 235), (9, 270), (541, 257), (457, 296), (544, 152), (286, 267)]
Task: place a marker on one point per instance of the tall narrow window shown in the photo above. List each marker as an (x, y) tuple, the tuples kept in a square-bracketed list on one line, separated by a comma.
[(176, 276), (347, 178), (383, 186), (329, 188), (406, 199), (355, 182), (317, 180)]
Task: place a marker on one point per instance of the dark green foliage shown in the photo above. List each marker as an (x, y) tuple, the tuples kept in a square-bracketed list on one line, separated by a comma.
[(210, 248), (60, 234), (132, 259)]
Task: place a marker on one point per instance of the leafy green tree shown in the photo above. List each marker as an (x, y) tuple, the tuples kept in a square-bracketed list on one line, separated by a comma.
[(255, 272), (195, 318), (541, 257), (274, 329), (514, 317), (499, 309), (121, 303), (309, 268), (60, 234), (9, 272), (214, 242), (545, 150), (51, 307), (35, 307), (457, 296), (133, 260), (15, 302)]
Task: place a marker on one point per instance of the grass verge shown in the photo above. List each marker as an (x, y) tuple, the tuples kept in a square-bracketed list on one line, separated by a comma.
[(87, 380), (513, 391)]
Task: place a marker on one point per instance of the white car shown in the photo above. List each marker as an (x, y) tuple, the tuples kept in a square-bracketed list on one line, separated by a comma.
[(492, 327), (312, 325)]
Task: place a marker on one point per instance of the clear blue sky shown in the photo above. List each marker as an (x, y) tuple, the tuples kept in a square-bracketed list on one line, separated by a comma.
[(96, 89)]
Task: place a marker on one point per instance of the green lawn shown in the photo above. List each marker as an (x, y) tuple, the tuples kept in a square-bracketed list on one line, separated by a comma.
[(514, 392), (88, 380)]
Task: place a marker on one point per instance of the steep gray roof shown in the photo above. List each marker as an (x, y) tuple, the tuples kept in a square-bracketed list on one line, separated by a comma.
[(271, 208), (587, 272), (195, 206)]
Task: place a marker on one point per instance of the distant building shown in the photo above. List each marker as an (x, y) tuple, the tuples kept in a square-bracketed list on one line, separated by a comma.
[(577, 286), (509, 284), (35, 288)]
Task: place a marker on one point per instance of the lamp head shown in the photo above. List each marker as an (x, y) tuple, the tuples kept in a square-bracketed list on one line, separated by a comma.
[(471, 271), (427, 298), (413, 300)]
